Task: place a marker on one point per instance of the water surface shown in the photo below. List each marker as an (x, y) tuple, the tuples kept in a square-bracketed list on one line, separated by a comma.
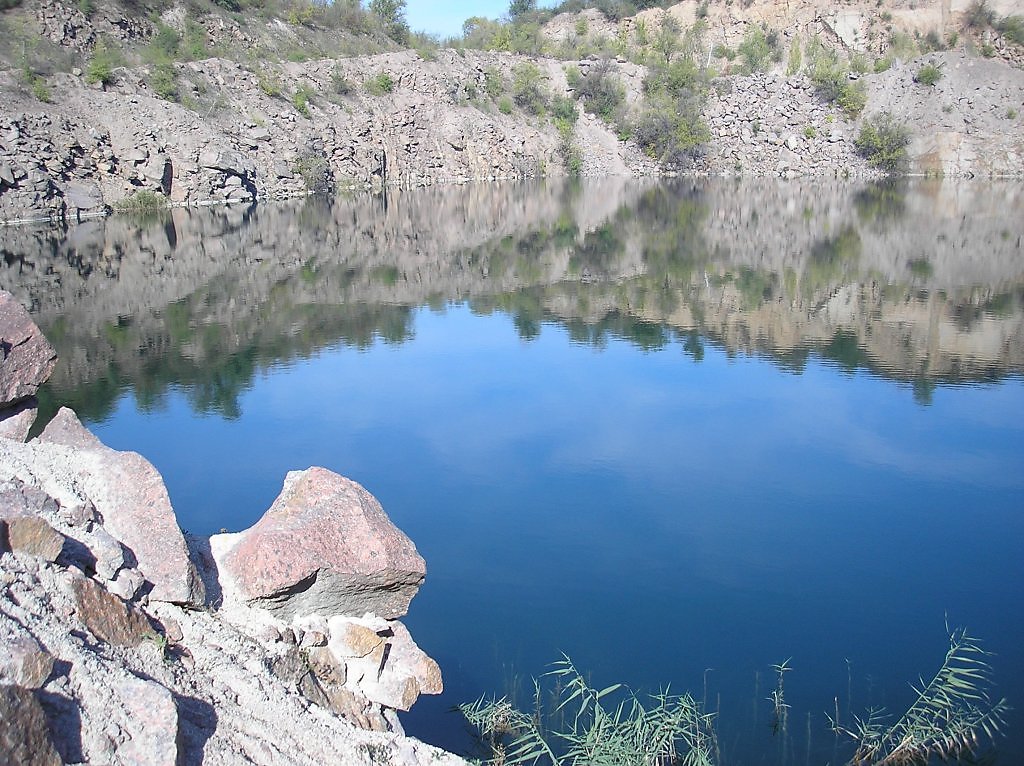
[(678, 432)]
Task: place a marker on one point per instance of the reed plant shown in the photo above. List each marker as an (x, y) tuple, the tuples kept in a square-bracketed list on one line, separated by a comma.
[(950, 719), (584, 725)]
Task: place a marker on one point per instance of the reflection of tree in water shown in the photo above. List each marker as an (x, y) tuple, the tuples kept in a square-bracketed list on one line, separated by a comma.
[(881, 204), (654, 273)]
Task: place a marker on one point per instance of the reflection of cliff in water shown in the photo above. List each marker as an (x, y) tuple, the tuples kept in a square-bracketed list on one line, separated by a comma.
[(921, 284)]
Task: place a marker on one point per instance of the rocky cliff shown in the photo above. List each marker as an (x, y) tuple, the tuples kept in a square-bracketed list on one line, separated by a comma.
[(123, 642), (238, 129)]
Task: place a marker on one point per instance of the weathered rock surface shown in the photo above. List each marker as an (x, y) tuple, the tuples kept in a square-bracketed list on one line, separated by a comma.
[(325, 546), (24, 736), (107, 617), (16, 421), (23, 662), (33, 536), (130, 495), (26, 357)]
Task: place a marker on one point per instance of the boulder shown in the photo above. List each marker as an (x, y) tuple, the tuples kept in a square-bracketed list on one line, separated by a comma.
[(325, 546), (16, 422), (34, 536), (130, 495), (23, 662), (24, 736), (153, 738), (26, 357), (108, 617)]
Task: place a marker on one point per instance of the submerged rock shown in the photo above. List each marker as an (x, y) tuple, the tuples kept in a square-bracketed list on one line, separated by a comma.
[(325, 546)]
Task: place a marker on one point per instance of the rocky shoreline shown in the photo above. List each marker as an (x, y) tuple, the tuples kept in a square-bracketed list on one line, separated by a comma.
[(238, 133), (126, 641)]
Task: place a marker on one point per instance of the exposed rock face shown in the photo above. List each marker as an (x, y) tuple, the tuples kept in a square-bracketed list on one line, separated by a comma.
[(70, 465), (27, 357), (23, 662), (106, 616), (324, 546)]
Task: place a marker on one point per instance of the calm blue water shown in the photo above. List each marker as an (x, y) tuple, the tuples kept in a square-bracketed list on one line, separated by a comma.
[(675, 472)]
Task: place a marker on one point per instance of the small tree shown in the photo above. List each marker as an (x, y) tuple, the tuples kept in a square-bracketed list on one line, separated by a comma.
[(883, 142), (392, 18)]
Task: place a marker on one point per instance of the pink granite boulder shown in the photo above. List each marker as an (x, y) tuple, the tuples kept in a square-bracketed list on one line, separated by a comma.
[(26, 357), (326, 547)]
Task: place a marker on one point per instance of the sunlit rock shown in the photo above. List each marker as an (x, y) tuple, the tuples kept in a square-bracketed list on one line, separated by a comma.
[(325, 546)]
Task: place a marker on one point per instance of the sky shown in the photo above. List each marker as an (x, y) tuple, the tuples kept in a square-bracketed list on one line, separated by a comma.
[(445, 18)]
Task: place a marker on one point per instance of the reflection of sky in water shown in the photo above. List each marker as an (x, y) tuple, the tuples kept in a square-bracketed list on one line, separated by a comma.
[(650, 516)]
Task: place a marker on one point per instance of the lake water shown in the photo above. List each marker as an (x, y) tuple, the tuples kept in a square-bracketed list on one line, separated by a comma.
[(680, 432)]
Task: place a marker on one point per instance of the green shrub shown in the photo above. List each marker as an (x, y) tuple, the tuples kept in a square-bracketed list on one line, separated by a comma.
[(795, 59), (87, 7), (40, 89), (494, 83), (810, 132), (380, 84), (883, 64), (301, 99), (102, 63), (759, 49), (1012, 28), (600, 91), (505, 105), (988, 50), (141, 201), (929, 74), (979, 15), (340, 84), (883, 142), (315, 171), (528, 89), (163, 79), (853, 98), (720, 51), (269, 83)]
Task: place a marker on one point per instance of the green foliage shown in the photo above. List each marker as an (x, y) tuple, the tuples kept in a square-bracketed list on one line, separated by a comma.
[(667, 41), (301, 99), (929, 74), (528, 90), (505, 105), (591, 726), (979, 15), (141, 201), (391, 14), (720, 51), (795, 60), (87, 7), (757, 49), (810, 132), (6, 4), (340, 83), (380, 84), (494, 83), (853, 97), (952, 712), (40, 89), (883, 142), (600, 91), (315, 171), (988, 50), (1012, 28), (163, 79), (102, 63), (883, 64), (269, 83)]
